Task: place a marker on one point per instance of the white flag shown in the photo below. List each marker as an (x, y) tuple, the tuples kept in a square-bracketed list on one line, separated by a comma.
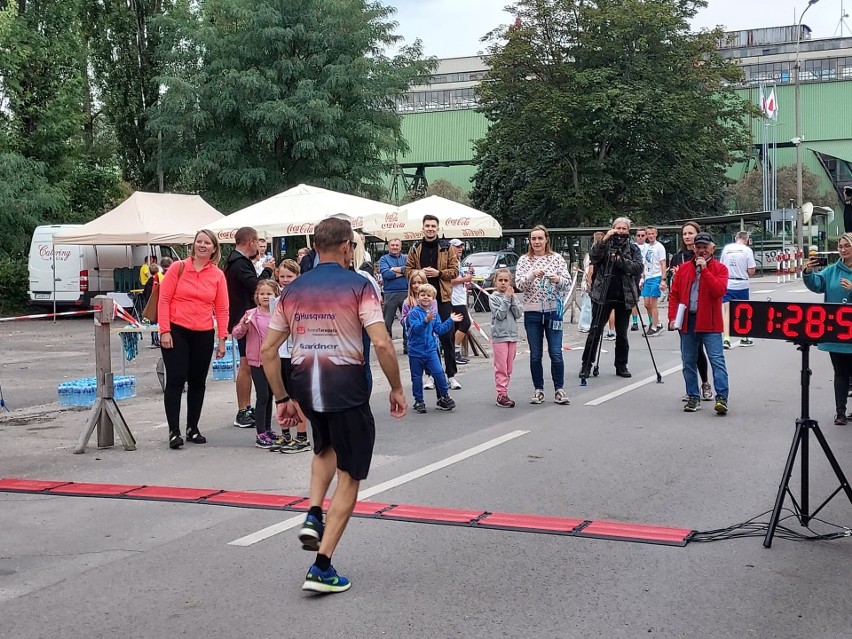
[(761, 100), (772, 106)]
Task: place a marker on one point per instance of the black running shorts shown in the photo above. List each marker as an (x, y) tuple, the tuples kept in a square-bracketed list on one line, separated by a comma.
[(350, 433)]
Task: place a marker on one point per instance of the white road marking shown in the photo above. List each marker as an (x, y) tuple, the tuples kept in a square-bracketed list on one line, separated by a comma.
[(799, 290), (767, 290), (287, 524), (633, 386)]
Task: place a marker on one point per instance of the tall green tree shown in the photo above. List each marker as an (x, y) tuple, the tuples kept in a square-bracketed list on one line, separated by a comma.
[(40, 82), (747, 193), (265, 94), (606, 107), (123, 38)]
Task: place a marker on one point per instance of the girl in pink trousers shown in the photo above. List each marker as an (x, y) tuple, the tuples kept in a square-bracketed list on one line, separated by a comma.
[(505, 313)]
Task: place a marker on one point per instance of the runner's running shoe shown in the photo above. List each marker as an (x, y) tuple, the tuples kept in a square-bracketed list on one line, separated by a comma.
[(310, 534), (325, 581)]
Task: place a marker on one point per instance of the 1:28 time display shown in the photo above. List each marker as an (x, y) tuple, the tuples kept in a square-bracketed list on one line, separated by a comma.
[(792, 321)]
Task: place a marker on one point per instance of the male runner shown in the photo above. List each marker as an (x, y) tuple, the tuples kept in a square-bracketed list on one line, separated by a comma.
[(326, 310)]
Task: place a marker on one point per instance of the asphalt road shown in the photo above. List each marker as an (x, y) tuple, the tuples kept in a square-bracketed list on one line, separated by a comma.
[(623, 451)]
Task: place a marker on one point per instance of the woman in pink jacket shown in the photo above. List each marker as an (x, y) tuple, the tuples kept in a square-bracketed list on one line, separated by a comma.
[(192, 294)]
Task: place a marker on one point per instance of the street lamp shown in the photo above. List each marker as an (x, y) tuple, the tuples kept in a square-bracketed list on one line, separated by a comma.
[(797, 67)]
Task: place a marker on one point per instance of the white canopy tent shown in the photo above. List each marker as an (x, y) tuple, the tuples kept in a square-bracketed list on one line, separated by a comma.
[(455, 219), (146, 218), (296, 211)]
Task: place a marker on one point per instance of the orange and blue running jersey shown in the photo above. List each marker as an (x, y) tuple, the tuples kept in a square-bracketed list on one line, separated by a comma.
[(325, 310)]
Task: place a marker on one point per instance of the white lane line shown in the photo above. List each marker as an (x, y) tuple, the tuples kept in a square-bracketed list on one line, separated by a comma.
[(633, 386), (767, 290), (799, 290), (287, 524)]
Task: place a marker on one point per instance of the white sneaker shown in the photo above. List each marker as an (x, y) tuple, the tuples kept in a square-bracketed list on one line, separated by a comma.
[(453, 383), (429, 383), (538, 396), (561, 397)]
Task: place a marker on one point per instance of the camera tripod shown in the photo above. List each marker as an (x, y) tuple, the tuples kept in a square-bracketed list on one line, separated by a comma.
[(804, 425), (598, 323)]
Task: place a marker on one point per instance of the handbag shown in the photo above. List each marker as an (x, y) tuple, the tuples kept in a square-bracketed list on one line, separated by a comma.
[(150, 311)]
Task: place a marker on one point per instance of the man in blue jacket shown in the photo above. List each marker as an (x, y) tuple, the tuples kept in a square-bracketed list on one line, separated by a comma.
[(395, 286)]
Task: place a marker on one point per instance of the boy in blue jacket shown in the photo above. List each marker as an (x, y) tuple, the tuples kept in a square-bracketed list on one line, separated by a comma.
[(423, 326)]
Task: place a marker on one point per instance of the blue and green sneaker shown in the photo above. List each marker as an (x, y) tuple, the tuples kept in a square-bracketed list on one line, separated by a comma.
[(310, 534), (327, 581)]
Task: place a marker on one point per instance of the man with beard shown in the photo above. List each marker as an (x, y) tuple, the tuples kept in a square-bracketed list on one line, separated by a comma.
[(441, 266)]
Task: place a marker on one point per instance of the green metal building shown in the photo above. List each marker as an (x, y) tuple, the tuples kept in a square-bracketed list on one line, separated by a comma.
[(440, 122)]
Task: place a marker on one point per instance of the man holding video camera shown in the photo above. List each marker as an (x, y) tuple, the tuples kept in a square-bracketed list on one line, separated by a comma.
[(616, 262)]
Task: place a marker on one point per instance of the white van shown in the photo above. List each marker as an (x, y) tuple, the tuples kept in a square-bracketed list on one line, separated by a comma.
[(82, 271)]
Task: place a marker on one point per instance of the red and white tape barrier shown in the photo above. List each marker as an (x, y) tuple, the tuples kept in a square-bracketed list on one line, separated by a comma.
[(44, 315)]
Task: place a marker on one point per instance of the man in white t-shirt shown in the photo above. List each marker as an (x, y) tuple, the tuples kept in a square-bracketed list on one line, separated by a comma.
[(640, 242), (654, 257), (459, 300), (739, 258)]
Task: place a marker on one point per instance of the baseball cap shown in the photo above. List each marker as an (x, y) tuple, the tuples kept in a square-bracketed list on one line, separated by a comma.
[(456, 242), (704, 238)]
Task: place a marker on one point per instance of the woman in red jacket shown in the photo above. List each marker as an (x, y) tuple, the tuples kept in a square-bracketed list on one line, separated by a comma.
[(192, 294)]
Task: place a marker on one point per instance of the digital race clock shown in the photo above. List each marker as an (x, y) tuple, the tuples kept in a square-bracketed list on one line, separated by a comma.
[(792, 321)]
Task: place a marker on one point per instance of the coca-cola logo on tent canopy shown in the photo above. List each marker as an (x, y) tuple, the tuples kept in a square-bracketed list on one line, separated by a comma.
[(392, 221), (457, 221)]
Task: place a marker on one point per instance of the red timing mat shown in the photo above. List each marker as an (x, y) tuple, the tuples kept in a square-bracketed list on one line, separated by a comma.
[(438, 515), (28, 485), (165, 493), (253, 500), (418, 514), (636, 532), (533, 523), (93, 490)]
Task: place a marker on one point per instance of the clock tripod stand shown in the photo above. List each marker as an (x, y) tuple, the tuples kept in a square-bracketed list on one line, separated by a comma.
[(804, 426)]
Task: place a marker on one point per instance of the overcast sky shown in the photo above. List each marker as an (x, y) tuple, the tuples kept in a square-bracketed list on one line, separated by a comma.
[(453, 28)]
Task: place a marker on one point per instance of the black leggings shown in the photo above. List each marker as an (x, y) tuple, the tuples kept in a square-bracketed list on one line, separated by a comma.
[(842, 363), (465, 324), (447, 340), (263, 403), (701, 362), (187, 362)]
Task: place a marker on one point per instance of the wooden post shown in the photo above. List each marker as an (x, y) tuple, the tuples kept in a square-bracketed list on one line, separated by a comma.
[(105, 415), (472, 343)]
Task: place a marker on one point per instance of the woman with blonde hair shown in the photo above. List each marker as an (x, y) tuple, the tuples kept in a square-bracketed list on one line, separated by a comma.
[(192, 294), (542, 275)]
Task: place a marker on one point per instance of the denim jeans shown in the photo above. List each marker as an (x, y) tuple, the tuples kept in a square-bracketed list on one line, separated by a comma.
[(419, 364), (690, 343), (539, 325)]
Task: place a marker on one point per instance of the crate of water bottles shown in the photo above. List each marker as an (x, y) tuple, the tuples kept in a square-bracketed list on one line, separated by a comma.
[(223, 369), (84, 391)]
